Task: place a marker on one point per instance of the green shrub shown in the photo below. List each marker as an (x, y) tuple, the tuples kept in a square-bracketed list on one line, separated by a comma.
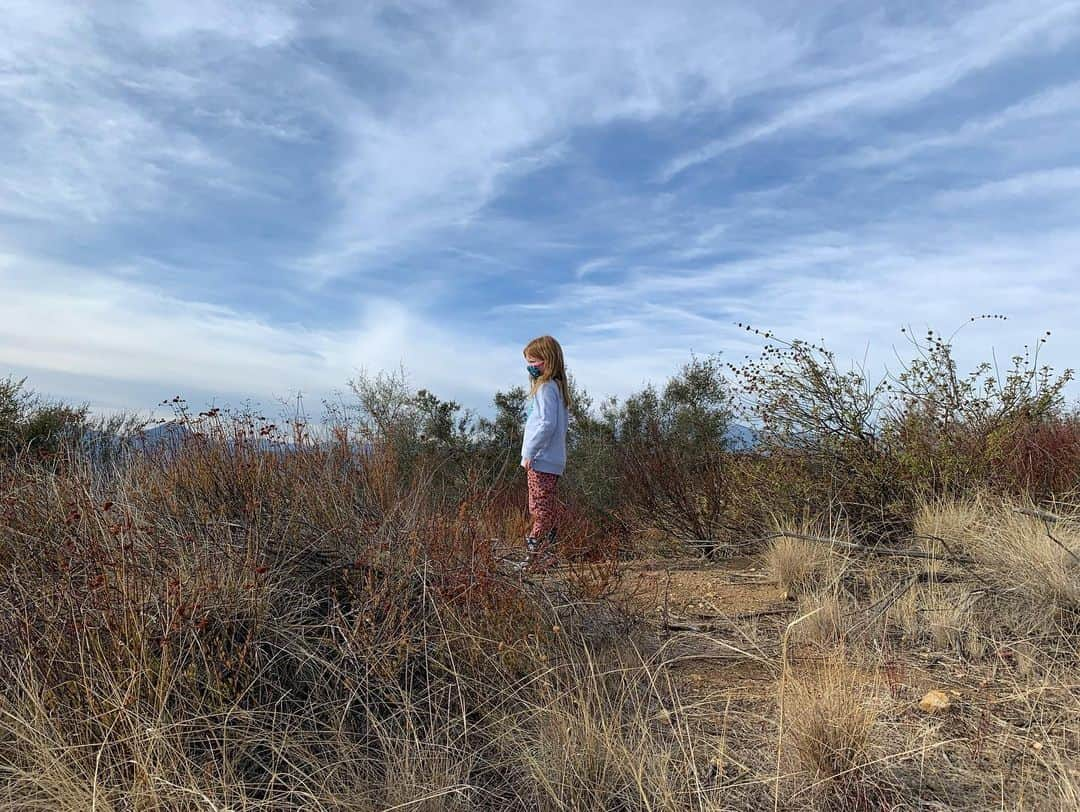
[(29, 422), (877, 448)]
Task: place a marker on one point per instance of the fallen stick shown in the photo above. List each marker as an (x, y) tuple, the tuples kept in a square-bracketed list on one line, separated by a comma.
[(764, 577), (1049, 519), (863, 548), (720, 621), (766, 612), (677, 626), (711, 545), (1038, 513), (881, 606), (728, 652)]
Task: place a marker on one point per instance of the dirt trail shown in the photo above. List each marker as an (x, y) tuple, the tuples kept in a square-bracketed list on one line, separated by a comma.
[(718, 623), (695, 588), (723, 623)]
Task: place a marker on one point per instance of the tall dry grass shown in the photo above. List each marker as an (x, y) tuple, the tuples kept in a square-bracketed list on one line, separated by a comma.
[(220, 626), (836, 755), (1024, 551)]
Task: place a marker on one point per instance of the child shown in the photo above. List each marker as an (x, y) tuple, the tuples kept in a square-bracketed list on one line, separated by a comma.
[(543, 451)]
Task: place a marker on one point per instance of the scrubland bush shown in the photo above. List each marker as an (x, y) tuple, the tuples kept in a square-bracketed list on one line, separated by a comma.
[(672, 461), (27, 421), (878, 448), (254, 615), (223, 624)]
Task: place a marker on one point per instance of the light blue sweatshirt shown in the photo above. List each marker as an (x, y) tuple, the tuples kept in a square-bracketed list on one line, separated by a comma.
[(545, 430)]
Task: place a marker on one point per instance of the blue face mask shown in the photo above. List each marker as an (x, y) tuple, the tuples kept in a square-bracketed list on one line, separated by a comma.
[(534, 371)]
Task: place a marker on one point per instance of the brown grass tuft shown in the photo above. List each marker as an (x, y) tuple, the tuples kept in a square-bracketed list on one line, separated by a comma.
[(1021, 554), (831, 724), (801, 566)]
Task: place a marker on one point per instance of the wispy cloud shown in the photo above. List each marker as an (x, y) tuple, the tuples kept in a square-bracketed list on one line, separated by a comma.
[(89, 136), (491, 99), (244, 197), (1049, 108), (912, 68), (1028, 184)]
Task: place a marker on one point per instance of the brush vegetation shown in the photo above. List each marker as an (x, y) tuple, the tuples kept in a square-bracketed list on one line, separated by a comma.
[(275, 615)]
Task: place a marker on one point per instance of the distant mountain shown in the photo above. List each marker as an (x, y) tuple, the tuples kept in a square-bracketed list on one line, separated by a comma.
[(741, 438), (105, 445), (171, 433), (170, 436)]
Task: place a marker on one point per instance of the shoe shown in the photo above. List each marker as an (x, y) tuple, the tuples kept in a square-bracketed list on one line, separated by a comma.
[(532, 546), (538, 556), (541, 553)]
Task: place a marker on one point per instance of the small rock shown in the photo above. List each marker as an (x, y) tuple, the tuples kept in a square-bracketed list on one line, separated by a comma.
[(935, 702)]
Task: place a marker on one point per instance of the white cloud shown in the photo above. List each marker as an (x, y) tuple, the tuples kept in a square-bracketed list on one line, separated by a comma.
[(924, 63), (94, 96), (486, 99), (1027, 184), (254, 22), (70, 321), (478, 99), (592, 266)]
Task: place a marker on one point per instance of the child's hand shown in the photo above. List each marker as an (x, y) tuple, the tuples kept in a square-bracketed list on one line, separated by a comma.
[(526, 464)]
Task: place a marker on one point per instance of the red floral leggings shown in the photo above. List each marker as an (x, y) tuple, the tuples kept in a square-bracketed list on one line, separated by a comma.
[(543, 504)]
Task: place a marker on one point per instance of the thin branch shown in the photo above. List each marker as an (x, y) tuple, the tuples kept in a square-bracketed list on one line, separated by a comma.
[(879, 608), (862, 548), (1049, 519)]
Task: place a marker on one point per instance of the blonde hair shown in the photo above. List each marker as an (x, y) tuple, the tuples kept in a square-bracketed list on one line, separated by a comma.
[(548, 350)]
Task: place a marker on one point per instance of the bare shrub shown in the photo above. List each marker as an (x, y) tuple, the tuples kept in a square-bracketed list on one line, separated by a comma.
[(1037, 457), (675, 467), (878, 446)]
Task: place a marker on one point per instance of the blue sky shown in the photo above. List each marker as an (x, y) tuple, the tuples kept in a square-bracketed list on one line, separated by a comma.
[(250, 199)]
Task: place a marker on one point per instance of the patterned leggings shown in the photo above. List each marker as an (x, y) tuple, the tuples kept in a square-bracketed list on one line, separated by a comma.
[(543, 504)]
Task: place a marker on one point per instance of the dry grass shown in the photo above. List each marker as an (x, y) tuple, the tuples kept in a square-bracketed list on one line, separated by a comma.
[(235, 630), (1038, 556), (229, 629), (824, 622), (801, 566), (832, 738), (615, 736)]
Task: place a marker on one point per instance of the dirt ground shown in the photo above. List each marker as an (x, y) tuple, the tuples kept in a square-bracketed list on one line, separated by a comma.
[(737, 602), (719, 628)]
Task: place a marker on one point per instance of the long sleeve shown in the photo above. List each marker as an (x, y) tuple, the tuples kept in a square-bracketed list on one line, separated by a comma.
[(546, 420)]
